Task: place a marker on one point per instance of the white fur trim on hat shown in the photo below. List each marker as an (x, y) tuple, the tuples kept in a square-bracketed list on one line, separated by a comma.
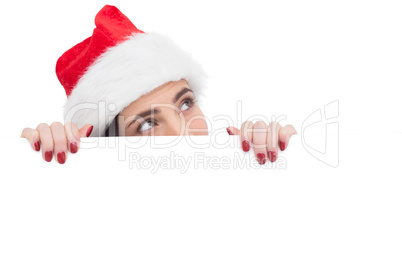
[(125, 72)]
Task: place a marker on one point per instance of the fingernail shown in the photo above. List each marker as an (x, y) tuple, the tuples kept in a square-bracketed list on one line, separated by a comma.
[(37, 146), (272, 156), (282, 145), (261, 158), (73, 147), (61, 157), (48, 156), (89, 131), (229, 131), (246, 145)]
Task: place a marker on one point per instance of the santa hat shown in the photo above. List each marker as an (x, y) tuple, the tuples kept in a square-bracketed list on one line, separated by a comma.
[(115, 66)]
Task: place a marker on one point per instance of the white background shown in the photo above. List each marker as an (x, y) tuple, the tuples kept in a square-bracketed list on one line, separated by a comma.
[(275, 57)]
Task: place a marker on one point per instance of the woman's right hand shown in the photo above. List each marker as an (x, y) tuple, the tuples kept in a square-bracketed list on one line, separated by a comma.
[(56, 139)]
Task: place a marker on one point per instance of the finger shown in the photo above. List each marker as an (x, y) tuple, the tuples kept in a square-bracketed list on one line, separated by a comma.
[(284, 135), (73, 137), (246, 135), (259, 141), (272, 140), (60, 142), (46, 139), (233, 131), (32, 136), (86, 130)]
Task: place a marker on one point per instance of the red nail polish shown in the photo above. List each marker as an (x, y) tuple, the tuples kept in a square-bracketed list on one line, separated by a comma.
[(261, 158), (37, 146), (61, 157), (282, 145), (246, 145), (272, 156), (48, 156), (73, 147), (229, 131), (89, 131)]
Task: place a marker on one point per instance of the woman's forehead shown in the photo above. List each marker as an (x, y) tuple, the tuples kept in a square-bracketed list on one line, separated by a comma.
[(162, 94)]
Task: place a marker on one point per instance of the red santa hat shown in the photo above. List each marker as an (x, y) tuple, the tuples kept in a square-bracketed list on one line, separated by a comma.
[(116, 65)]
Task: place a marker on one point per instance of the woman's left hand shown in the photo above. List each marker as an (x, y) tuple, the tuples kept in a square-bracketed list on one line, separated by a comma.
[(264, 138)]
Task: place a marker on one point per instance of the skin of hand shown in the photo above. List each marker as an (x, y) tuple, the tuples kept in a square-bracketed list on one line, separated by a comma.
[(265, 138), (56, 139)]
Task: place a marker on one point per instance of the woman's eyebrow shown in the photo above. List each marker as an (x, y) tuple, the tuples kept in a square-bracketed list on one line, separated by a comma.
[(181, 93), (144, 114)]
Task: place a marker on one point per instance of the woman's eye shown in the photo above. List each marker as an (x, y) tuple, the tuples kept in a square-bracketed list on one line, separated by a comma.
[(146, 125), (186, 105)]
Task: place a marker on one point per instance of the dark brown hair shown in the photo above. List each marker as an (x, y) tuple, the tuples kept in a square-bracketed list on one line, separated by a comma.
[(112, 130)]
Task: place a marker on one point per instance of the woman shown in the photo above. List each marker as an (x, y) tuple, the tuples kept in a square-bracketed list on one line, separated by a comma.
[(122, 81)]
